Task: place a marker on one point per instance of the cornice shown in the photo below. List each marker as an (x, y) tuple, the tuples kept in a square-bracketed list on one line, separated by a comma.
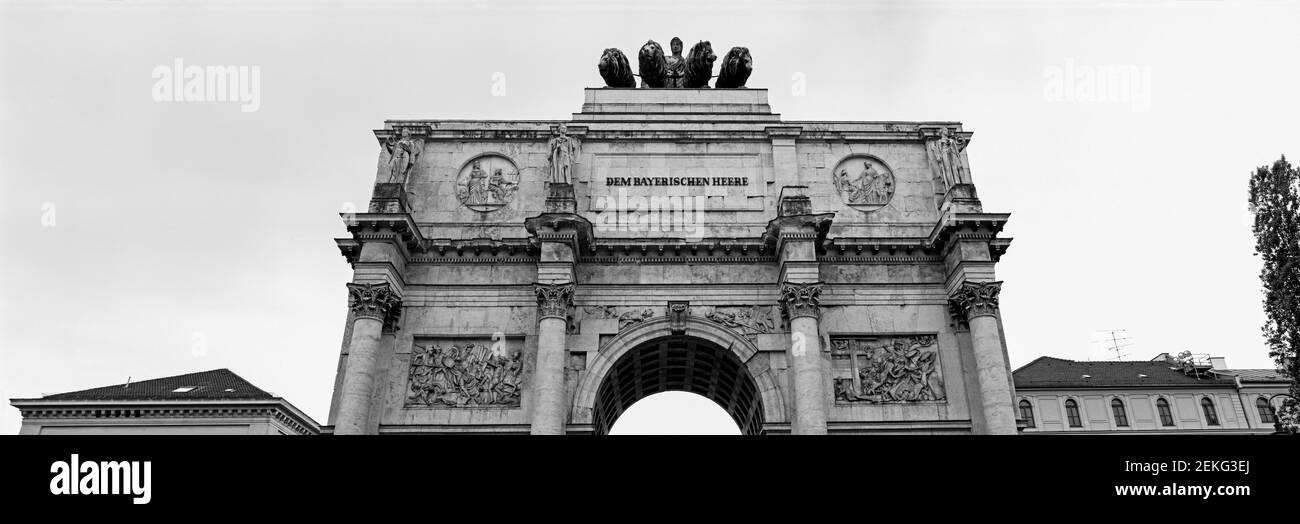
[(398, 228), (780, 228), (633, 126), (577, 230), (953, 227), (277, 409)]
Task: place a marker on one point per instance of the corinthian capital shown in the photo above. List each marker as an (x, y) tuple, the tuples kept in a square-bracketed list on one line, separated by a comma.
[(377, 301), (553, 300), (975, 299), (801, 300)]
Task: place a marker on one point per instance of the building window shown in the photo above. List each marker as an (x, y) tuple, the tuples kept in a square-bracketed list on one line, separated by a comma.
[(1027, 413), (1266, 414), (1211, 416), (1121, 418), (1166, 416), (1072, 411)]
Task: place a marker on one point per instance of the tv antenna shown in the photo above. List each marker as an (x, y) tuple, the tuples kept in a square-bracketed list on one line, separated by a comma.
[(1116, 340)]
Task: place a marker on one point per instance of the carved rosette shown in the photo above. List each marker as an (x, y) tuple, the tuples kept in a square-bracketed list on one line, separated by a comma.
[(553, 300), (376, 301), (976, 299), (801, 300)]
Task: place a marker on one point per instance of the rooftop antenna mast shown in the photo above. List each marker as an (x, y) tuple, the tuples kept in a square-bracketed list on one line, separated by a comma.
[(1116, 340)]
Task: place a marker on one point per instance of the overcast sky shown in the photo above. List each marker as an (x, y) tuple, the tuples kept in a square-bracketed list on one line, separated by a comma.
[(146, 239)]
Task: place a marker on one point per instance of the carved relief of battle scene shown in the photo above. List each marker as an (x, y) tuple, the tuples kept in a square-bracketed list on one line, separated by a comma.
[(882, 370), (461, 374)]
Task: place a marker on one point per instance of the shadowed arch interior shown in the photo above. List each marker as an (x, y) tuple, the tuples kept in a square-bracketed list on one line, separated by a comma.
[(679, 363)]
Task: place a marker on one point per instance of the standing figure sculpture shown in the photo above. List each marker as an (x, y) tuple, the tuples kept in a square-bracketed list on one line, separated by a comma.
[(675, 65), (563, 150), (699, 65), (946, 154), (478, 191), (402, 154)]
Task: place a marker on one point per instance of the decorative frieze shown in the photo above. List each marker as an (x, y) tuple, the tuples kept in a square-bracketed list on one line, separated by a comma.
[(801, 300), (975, 299), (377, 301), (883, 370), (627, 316), (553, 300), (465, 375), (748, 321)]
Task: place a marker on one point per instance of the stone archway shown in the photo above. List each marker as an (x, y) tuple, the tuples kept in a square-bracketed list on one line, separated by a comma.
[(708, 359)]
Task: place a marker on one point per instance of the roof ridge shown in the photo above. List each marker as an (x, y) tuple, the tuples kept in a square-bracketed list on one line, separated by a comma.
[(212, 383)]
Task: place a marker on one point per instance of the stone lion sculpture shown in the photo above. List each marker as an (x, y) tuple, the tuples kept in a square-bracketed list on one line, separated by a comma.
[(615, 69), (653, 65), (699, 65), (736, 67)]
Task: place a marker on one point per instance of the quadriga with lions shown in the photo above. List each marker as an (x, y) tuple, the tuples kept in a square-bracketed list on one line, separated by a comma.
[(653, 65), (736, 67), (699, 65), (615, 69)]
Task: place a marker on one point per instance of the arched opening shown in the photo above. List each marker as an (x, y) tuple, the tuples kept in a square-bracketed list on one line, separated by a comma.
[(675, 413), (679, 363)]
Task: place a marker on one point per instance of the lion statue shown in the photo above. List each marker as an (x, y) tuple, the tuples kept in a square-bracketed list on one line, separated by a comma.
[(736, 67), (614, 68), (699, 65), (654, 67)]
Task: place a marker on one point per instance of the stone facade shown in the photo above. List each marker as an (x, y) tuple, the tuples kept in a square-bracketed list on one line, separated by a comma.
[(810, 277)]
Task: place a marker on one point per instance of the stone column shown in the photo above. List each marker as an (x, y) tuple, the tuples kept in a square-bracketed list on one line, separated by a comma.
[(978, 303), (801, 305), (549, 409), (372, 305)]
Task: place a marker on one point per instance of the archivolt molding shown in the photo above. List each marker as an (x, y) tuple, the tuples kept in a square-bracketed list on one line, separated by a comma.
[(634, 336)]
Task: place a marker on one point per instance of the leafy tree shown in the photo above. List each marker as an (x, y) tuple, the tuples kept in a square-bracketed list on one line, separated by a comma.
[(1275, 201)]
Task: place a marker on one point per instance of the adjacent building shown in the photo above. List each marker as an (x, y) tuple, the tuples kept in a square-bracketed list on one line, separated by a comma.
[(216, 402), (1161, 395)]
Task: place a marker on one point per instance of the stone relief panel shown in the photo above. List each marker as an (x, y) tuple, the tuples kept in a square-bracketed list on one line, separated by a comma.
[(464, 374), (626, 315), (881, 370), (748, 321), (487, 183), (864, 182)]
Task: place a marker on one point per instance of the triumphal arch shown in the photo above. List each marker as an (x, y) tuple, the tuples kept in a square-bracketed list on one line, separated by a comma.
[(542, 276)]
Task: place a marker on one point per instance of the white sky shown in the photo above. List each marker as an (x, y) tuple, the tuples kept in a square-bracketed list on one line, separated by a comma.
[(184, 224)]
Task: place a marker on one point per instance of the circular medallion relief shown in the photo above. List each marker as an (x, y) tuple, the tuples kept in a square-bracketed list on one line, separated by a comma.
[(487, 183), (864, 182)]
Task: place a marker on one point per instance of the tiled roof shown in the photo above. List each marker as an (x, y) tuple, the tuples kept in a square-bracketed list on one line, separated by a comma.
[(217, 384), (1257, 375), (1049, 372)]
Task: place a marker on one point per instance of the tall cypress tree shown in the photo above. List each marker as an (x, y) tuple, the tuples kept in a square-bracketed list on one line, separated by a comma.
[(1275, 200)]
